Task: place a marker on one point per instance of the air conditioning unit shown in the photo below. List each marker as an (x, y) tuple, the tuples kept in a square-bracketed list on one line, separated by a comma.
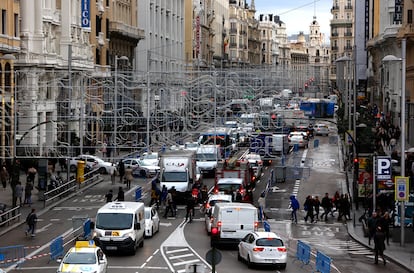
[(101, 39)]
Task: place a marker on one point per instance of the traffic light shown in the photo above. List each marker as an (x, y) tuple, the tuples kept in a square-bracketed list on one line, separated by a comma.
[(356, 167)]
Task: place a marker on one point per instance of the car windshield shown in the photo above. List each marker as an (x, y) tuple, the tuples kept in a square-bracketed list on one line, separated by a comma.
[(206, 157), (150, 156), (174, 177), (147, 214), (114, 221), (228, 188), (80, 258), (269, 242), (213, 202)]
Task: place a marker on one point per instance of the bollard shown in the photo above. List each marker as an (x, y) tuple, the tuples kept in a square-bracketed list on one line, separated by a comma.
[(138, 194)]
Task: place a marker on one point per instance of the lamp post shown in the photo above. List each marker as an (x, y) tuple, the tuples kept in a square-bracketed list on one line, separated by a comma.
[(115, 109), (389, 59)]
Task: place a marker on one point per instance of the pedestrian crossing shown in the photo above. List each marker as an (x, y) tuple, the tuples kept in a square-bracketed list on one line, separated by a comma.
[(181, 258), (338, 246)]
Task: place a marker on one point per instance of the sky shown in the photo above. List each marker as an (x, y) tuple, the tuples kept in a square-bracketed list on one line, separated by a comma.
[(298, 14)]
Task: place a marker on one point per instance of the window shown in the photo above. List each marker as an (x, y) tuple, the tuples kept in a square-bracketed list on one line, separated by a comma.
[(16, 25), (3, 21), (409, 16), (98, 25)]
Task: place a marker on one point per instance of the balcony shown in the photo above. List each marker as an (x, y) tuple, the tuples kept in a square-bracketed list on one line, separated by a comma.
[(347, 47), (334, 8), (233, 30), (334, 48), (348, 34), (127, 32), (341, 23), (335, 34), (406, 31), (348, 7)]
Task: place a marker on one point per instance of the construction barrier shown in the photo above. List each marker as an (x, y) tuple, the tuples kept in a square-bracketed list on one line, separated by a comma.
[(303, 253), (138, 194), (87, 229), (11, 254), (323, 263), (56, 248)]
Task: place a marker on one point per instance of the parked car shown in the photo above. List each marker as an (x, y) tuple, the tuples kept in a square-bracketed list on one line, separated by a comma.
[(209, 207), (299, 138), (321, 129), (262, 248), (139, 169), (152, 221), (84, 256)]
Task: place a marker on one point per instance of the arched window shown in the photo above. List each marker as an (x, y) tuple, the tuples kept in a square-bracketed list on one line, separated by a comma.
[(7, 78)]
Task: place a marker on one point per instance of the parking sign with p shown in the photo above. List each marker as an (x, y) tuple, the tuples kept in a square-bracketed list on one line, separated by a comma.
[(383, 168)]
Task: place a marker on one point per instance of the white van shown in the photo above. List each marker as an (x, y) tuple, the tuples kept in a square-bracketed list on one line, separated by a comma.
[(119, 226), (207, 157), (231, 222)]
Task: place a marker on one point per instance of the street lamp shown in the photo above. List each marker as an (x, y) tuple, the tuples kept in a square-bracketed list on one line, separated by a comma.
[(390, 59), (115, 109)]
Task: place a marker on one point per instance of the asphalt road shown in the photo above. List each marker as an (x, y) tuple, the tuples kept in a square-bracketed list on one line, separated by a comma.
[(179, 244)]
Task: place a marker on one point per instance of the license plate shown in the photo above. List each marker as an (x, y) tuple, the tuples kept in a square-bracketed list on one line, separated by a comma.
[(111, 248)]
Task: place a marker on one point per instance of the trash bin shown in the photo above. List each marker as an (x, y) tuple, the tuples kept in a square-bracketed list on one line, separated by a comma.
[(280, 174)]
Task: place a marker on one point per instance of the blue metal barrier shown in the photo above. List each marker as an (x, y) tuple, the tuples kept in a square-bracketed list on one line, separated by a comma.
[(303, 253), (316, 143), (11, 254), (56, 248), (295, 148), (87, 228), (138, 194), (323, 263), (266, 226)]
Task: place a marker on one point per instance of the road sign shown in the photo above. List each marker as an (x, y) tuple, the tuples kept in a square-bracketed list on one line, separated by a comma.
[(383, 168), (401, 188), (213, 253)]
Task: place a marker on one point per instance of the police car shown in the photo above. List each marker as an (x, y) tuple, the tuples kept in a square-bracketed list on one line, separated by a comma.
[(85, 257)]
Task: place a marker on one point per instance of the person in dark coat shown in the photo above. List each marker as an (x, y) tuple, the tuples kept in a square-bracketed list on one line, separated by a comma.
[(294, 205), (121, 195), (308, 207), (121, 170), (191, 201), (379, 244), (31, 220), (109, 196)]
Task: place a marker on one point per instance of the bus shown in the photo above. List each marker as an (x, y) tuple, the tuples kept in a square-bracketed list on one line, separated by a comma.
[(221, 136), (318, 108)]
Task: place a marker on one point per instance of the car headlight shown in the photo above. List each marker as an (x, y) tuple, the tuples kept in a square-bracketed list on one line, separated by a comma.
[(128, 234)]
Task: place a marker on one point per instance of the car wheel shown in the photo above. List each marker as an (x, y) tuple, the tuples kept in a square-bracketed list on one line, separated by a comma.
[(249, 263), (141, 245), (72, 168), (143, 173), (283, 266), (102, 170), (152, 232), (239, 257)]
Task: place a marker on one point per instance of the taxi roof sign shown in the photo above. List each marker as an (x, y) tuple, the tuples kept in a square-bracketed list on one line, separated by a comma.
[(84, 244)]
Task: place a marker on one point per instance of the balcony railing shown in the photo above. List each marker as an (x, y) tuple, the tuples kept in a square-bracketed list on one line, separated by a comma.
[(233, 30), (348, 7), (347, 47), (348, 34), (126, 30), (334, 47), (335, 34)]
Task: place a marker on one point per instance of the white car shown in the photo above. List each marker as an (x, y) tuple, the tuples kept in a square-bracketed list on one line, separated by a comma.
[(85, 256), (104, 167), (152, 221), (299, 138), (150, 159), (192, 146), (90, 162), (262, 248), (321, 129), (139, 169), (209, 207)]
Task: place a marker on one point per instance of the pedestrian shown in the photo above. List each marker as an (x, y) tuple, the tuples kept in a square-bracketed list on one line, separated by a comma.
[(121, 171), (335, 202), (326, 205), (163, 197), (317, 204), (121, 194), (308, 207), (109, 196), (204, 194), (4, 176), (128, 177), (173, 199), (169, 205), (28, 193), (191, 201), (31, 174), (112, 173), (18, 193), (384, 222), (31, 220), (347, 207), (379, 244), (372, 224), (294, 205), (155, 197), (262, 204)]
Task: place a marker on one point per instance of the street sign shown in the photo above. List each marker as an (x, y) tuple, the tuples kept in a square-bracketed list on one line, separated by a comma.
[(213, 256), (383, 168), (401, 188)]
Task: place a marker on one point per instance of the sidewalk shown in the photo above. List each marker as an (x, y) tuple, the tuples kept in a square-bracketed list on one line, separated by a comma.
[(6, 198), (394, 251)]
